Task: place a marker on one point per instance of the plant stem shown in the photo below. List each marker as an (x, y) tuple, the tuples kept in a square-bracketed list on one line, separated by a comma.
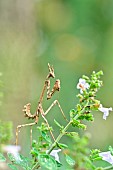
[(36, 166), (59, 137)]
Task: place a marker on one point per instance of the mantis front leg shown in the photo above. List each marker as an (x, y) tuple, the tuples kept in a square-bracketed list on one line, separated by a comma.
[(56, 87)]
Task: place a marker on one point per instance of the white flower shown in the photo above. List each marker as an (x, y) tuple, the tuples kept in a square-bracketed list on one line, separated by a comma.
[(82, 85), (105, 111), (106, 156), (14, 150), (54, 153)]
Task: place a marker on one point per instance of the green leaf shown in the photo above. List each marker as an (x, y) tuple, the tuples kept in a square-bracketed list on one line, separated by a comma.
[(79, 107), (89, 117), (61, 145), (111, 150), (47, 161), (34, 143), (11, 157), (2, 158), (34, 152), (85, 77), (78, 124), (58, 124), (19, 160), (45, 136), (95, 151), (69, 160), (58, 164), (75, 122), (72, 113), (24, 162), (86, 116), (72, 134), (12, 166), (95, 155), (82, 126)]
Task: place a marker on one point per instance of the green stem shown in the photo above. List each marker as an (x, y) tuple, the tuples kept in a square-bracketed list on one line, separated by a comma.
[(59, 137), (36, 166)]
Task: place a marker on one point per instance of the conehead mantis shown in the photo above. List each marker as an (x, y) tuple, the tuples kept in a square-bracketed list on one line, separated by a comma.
[(39, 111)]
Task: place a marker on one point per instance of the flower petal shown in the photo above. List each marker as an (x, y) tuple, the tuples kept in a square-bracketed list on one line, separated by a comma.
[(54, 153), (82, 85), (105, 111), (106, 156)]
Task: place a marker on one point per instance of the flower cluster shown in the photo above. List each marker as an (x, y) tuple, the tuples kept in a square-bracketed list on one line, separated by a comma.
[(83, 85)]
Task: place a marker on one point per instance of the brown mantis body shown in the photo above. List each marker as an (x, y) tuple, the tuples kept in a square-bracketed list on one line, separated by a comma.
[(39, 110)]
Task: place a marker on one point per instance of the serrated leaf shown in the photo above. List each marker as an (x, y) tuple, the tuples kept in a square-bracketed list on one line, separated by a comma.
[(47, 161), (69, 160), (58, 124), (2, 158), (12, 166), (62, 145)]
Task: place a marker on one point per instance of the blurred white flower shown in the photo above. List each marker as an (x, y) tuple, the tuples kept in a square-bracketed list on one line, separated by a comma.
[(54, 153), (13, 149), (82, 85), (105, 111), (106, 156)]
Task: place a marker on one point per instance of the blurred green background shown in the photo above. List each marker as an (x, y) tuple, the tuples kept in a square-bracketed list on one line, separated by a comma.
[(76, 37)]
